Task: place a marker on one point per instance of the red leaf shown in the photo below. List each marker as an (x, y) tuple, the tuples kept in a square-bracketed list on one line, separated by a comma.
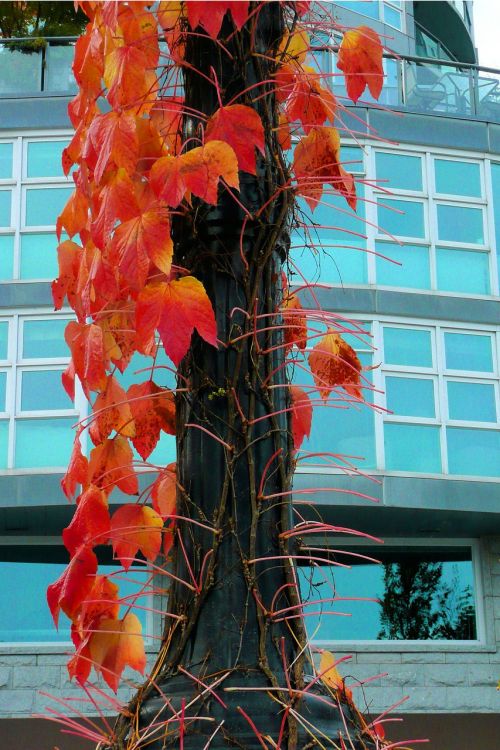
[(164, 490), (302, 411), (74, 584), (198, 172), (88, 64), (210, 15), (74, 216), (129, 77), (133, 528), (90, 523), (175, 308), (114, 138), (111, 464), (69, 255), (306, 100), (115, 645), (333, 364), (77, 470), (114, 201), (153, 409), (295, 330), (111, 412), (87, 349), (241, 127), (360, 57)]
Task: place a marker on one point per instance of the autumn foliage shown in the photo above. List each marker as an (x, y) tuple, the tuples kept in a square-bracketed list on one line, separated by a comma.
[(135, 171)]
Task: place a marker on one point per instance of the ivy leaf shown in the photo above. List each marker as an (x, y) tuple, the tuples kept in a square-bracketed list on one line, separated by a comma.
[(333, 364), (73, 585), (114, 139), (133, 528), (111, 464), (74, 216), (330, 675), (115, 645), (111, 412), (295, 323), (164, 491), (360, 58), (90, 524), (210, 15), (153, 410), (175, 309), (302, 411), (77, 470), (241, 127)]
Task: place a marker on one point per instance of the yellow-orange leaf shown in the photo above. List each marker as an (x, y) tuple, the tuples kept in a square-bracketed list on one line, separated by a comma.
[(301, 415), (295, 322), (360, 57), (117, 644), (163, 491), (74, 215), (114, 139), (330, 675), (153, 409), (316, 162), (333, 364), (111, 464), (133, 528), (112, 412), (128, 78), (87, 349)]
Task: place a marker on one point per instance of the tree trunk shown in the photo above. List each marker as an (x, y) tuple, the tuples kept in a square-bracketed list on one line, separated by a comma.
[(234, 448)]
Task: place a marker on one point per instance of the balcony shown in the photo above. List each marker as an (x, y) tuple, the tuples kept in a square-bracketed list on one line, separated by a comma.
[(30, 67)]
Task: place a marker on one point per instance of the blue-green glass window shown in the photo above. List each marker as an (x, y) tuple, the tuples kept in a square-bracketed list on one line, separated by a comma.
[(6, 256), (495, 182), (59, 76), (457, 178), (5, 161), (25, 616), (394, 584), (407, 346), (38, 256), (410, 269), (4, 442), (398, 171), (5, 207), (462, 271), (392, 16), (3, 390), (44, 339), (401, 218), (352, 159), (44, 158), (4, 339), (471, 401), (163, 454), (366, 7), (41, 390), (410, 397), (139, 370), (44, 205), (460, 224), (412, 447), (473, 452), (468, 351), (335, 265), (43, 442)]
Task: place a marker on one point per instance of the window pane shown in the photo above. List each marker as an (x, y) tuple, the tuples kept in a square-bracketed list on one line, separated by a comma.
[(407, 346), (413, 271), (43, 442), (466, 351), (6, 256), (410, 397), (42, 390), (5, 202), (44, 339), (398, 171), (463, 271), (410, 447), (473, 452), (5, 161), (352, 159), (4, 339), (336, 265), (59, 76), (457, 178), (4, 442), (408, 223), (163, 454), (366, 7), (44, 206), (44, 158), (495, 181), (460, 224), (392, 17), (472, 401), (441, 581), (139, 370), (20, 72), (3, 387), (38, 256)]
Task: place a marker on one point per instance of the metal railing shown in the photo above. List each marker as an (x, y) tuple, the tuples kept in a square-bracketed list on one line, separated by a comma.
[(30, 66)]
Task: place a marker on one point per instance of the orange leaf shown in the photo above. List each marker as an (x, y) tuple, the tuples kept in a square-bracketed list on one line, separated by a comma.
[(68, 257), (306, 100), (198, 172), (88, 63), (164, 490), (330, 675), (153, 409), (334, 363), (118, 327), (295, 45), (73, 585), (115, 645), (87, 349), (77, 470), (175, 308), (360, 57), (111, 412), (295, 330), (316, 161), (210, 15), (143, 239), (133, 528), (129, 79), (114, 138), (111, 464), (115, 200), (74, 215), (90, 523), (301, 415), (241, 127)]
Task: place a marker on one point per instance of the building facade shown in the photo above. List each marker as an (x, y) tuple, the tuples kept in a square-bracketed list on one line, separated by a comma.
[(417, 270)]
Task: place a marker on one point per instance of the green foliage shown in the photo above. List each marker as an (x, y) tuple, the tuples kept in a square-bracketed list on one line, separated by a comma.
[(39, 20)]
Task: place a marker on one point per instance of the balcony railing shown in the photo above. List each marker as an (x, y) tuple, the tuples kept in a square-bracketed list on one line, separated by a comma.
[(33, 67)]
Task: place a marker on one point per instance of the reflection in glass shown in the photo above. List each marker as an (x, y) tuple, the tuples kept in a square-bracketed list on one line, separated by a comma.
[(408, 267), (38, 256), (44, 205), (410, 397), (5, 160), (407, 346), (460, 224), (4, 339), (468, 351), (472, 401), (457, 177), (43, 442), (462, 271), (44, 339), (6, 256), (401, 218), (5, 207), (20, 71), (58, 73), (473, 452), (42, 390), (44, 158), (398, 171), (3, 387), (412, 447)]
